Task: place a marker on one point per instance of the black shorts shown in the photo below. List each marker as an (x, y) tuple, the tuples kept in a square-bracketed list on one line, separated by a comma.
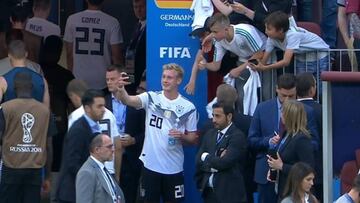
[(20, 185), (153, 186)]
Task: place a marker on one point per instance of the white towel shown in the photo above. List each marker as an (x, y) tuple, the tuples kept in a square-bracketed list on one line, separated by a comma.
[(202, 10), (229, 80), (250, 92), (209, 109), (206, 4)]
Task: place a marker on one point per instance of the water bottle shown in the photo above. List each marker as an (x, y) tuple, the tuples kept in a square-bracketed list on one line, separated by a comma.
[(172, 141)]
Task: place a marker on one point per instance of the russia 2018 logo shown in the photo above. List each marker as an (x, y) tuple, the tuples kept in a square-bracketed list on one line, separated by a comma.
[(185, 4)]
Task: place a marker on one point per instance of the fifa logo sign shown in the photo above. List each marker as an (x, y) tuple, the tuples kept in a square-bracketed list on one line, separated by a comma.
[(175, 52), (27, 122)]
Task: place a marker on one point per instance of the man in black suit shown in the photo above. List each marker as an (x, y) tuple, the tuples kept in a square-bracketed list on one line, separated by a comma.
[(228, 94), (136, 51), (306, 91), (131, 126), (76, 144), (220, 158)]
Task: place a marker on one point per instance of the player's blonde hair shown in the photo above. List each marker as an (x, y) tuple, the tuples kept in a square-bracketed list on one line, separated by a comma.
[(175, 67)]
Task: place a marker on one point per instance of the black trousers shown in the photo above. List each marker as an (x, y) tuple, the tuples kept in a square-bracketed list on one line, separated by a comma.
[(209, 196), (20, 185)]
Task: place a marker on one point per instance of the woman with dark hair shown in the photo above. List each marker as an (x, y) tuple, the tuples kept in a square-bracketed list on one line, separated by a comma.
[(299, 183), (295, 144)]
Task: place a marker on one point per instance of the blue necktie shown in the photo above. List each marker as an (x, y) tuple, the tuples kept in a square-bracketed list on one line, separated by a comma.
[(219, 137)]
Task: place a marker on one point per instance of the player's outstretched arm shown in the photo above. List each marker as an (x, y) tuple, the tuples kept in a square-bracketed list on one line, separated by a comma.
[(122, 94), (190, 86)]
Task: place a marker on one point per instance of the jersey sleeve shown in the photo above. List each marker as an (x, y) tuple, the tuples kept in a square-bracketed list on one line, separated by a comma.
[(191, 123), (113, 128), (252, 39), (219, 52), (144, 98), (116, 36), (69, 33), (57, 31)]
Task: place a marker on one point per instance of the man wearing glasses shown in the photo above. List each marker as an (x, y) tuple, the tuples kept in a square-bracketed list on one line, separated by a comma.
[(93, 176)]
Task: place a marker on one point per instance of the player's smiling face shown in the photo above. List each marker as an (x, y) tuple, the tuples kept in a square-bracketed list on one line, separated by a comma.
[(170, 80)]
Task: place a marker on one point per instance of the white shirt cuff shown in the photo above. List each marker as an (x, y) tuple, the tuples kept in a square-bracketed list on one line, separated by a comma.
[(213, 170), (203, 156)]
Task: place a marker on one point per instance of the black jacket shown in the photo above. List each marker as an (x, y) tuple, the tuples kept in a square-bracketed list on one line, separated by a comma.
[(228, 181)]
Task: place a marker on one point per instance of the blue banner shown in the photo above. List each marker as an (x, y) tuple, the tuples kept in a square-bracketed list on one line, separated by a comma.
[(168, 41)]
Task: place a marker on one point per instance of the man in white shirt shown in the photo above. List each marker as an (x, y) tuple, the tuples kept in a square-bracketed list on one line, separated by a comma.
[(170, 120), (75, 90), (39, 25), (93, 42)]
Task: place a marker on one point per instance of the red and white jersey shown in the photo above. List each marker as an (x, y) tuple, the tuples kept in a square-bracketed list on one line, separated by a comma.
[(163, 115), (92, 32)]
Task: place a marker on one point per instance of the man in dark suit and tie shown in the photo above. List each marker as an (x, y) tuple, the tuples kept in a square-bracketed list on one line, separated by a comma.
[(266, 129), (228, 94), (76, 144), (220, 159), (306, 91), (93, 181), (136, 51), (132, 135)]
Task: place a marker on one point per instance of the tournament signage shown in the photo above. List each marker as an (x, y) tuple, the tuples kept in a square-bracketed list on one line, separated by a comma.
[(180, 4), (168, 41)]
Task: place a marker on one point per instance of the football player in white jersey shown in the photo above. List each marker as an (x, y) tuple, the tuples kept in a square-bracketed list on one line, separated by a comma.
[(93, 42), (171, 120), (39, 25)]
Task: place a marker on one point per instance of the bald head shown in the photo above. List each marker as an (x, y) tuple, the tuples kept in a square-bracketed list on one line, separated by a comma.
[(227, 94)]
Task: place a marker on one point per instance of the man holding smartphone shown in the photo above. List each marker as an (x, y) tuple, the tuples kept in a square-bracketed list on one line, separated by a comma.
[(264, 135), (170, 120), (131, 134)]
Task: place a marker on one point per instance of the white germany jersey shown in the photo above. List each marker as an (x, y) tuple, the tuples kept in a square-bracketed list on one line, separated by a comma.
[(92, 34), (42, 27), (163, 115), (247, 40), (107, 126)]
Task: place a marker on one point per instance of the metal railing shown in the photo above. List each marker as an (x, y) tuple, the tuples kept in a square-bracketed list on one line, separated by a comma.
[(337, 60)]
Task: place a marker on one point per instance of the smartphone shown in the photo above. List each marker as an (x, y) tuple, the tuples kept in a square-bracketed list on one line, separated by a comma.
[(131, 78), (273, 153), (253, 61), (273, 173)]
